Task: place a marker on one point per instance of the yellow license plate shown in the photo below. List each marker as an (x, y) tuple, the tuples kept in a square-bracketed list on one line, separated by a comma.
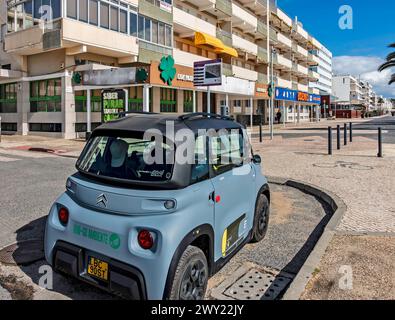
[(98, 268)]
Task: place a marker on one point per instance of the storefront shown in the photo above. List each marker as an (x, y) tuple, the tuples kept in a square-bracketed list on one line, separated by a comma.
[(296, 106)]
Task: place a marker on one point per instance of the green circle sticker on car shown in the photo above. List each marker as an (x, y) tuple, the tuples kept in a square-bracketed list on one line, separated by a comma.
[(115, 241)]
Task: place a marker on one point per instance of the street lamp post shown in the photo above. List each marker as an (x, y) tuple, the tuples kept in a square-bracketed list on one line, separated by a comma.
[(273, 51)]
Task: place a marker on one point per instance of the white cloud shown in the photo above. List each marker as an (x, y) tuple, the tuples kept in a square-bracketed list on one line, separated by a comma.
[(366, 69)]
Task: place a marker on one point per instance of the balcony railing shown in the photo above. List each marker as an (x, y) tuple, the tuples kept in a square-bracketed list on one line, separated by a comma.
[(262, 55), (225, 6), (225, 37)]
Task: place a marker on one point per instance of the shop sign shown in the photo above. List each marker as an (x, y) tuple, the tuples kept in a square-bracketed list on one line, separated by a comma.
[(261, 91), (168, 71), (184, 77), (303, 96), (208, 73), (286, 94), (113, 103), (110, 77)]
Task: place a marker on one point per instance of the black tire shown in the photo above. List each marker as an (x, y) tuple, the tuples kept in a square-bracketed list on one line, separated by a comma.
[(191, 276), (261, 218)]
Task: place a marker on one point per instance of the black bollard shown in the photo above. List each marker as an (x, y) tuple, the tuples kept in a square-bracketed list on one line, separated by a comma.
[(350, 131), (345, 134), (380, 154), (260, 133), (338, 137), (330, 152)]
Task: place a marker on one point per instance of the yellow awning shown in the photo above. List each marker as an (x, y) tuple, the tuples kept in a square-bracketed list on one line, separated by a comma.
[(228, 50), (202, 38), (205, 39)]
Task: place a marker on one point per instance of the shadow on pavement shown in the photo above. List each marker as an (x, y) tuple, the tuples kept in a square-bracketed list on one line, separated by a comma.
[(35, 267)]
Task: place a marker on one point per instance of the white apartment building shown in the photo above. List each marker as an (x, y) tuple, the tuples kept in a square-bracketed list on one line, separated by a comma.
[(347, 90), (52, 72), (324, 70)]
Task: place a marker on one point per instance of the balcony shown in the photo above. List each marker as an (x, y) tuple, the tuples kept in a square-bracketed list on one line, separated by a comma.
[(225, 37), (299, 51), (185, 58), (258, 6), (280, 62), (152, 9), (303, 87), (300, 70), (314, 91), (313, 76), (313, 60), (262, 78), (283, 42), (76, 37), (243, 20), (224, 7), (243, 73), (273, 35), (280, 82), (300, 34), (262, 55), (315, 43), (244, 45), (186, 24)]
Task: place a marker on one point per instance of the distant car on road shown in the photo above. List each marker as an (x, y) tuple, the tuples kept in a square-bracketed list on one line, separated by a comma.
[(158, 230)]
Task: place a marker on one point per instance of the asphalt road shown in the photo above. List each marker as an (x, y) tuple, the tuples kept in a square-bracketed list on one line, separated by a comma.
[(30, 183)]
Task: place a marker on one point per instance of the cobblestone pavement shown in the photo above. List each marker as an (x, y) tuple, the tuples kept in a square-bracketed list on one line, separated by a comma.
[(355, 174), (361, 252)]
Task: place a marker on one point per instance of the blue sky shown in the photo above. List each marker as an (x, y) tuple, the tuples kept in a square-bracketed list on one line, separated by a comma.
[(358, 51)]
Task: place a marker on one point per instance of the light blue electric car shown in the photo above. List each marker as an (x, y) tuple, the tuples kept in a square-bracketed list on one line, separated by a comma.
[(158, 229)]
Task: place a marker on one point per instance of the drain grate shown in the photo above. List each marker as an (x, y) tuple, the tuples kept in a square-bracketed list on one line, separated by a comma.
[(22, 253), (257, 285), (252, 282)]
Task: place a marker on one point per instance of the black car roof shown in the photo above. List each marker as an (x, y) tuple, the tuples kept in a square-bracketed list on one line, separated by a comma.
[(141, 122)]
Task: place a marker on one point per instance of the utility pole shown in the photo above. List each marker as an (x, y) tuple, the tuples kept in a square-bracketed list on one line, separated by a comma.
[(272, 97)]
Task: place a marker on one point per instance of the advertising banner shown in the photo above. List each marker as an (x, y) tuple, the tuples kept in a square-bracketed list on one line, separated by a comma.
[(113, 103), (208, 73)]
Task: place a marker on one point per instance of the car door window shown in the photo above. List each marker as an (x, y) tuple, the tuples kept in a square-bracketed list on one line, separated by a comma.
[(200, 168), (226, 150)]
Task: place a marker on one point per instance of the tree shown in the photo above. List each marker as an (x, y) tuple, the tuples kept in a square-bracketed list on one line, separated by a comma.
[(389, 64)]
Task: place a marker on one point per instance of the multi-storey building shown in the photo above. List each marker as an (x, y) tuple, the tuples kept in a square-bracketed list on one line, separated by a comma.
[(57, 56), (324, 70), (348, 90)]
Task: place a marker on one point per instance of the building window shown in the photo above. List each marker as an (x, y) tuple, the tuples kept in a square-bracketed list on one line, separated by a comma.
[(8, 100), (133, 24), (237, 103), (168, 100), (114, 18), (83, 10), (9, 126), (104, 18), (123, 22), (188, 101), (71, 9), (136, 99), (81, 101), (46, 95), (82, 127), (93, 12), (45, 127)]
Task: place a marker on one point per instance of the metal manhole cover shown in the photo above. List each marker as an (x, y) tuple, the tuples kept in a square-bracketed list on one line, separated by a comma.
[(23, 252), (251, 282)]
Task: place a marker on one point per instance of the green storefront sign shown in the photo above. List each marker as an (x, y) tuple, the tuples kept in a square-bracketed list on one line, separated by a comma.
[(113, 103)]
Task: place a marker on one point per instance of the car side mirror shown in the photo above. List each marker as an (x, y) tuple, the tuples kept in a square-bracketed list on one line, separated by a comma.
[(256, 159)]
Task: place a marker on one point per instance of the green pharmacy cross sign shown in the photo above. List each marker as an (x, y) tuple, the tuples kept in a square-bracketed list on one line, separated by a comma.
[(168, 71), (113, 103)]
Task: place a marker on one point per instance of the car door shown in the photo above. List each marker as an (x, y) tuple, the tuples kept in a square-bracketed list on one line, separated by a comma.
[(233, 179)]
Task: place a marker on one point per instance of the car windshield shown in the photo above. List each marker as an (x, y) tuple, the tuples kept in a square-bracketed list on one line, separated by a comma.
[(128, 159)]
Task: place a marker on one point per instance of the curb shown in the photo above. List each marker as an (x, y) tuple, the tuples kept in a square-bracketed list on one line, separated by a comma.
[(305, 274)]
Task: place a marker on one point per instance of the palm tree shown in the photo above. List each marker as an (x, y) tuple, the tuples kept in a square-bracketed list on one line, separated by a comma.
[(389, 63)]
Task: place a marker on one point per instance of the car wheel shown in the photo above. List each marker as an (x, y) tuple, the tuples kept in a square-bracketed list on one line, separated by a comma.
[(191, 276), (261, 219)]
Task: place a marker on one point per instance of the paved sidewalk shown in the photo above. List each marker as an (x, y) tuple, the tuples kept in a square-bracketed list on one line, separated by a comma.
[(60, 147), (365, 236)]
